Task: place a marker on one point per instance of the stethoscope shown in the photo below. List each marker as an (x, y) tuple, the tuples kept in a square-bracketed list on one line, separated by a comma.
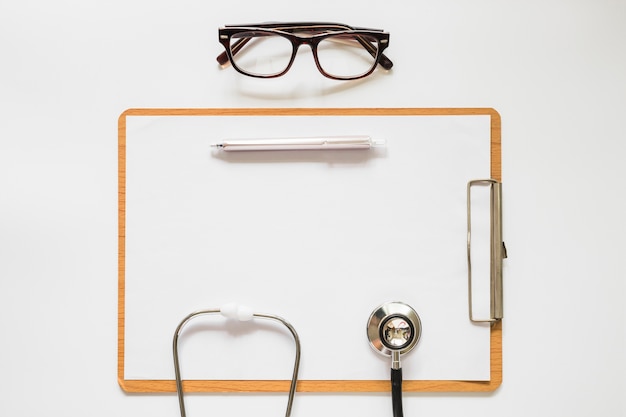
[(393, 329)]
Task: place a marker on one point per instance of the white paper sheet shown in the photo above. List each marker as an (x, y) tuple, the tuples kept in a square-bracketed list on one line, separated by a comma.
[(320, 238)]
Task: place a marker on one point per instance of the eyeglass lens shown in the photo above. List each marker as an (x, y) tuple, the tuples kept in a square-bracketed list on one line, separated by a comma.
[(265, 54), (340, 56), (346, 55)]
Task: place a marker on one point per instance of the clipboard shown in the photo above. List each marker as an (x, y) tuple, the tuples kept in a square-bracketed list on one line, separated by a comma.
[(304, 385)]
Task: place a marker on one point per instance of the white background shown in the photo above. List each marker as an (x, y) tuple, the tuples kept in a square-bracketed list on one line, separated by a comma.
[(555, 70)]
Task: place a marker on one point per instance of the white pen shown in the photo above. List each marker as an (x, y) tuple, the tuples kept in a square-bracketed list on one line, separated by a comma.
[(295, 144)]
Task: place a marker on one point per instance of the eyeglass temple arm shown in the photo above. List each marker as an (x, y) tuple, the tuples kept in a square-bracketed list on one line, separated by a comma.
[(384, 62)]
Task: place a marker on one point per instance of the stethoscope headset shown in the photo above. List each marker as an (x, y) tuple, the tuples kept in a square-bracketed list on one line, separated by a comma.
[(393, 329)]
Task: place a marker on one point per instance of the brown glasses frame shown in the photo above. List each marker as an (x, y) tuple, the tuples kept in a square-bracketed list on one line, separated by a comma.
[(318, 32)]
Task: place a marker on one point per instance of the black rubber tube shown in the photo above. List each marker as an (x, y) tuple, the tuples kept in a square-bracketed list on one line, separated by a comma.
[(396, 392)]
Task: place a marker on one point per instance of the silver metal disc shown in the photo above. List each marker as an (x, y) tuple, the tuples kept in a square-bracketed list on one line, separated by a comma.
[(392, 327)]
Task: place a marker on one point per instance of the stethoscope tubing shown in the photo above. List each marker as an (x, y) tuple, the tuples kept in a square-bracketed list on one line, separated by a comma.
[(396, 392)]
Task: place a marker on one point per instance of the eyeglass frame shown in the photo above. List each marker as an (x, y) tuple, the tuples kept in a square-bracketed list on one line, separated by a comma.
[(281, 29)]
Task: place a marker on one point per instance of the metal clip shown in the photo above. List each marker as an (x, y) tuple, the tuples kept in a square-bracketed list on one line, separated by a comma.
[(497, 250)]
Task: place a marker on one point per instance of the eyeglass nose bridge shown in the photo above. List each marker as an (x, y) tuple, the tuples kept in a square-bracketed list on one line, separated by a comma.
[(311, 43)]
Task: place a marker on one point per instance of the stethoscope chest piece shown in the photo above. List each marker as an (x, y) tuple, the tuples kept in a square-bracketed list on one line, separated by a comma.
[(393, 327)]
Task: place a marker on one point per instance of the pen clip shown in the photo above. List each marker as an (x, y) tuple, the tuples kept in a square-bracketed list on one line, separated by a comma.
[(497, 250)]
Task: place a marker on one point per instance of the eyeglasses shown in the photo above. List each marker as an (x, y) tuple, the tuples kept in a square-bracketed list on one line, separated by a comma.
[(267, 50)]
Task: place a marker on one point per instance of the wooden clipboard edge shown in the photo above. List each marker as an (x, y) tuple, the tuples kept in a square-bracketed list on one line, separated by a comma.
[(155, 386)]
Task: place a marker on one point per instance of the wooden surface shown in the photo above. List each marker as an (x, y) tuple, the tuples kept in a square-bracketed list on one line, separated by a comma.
[(148, 386)]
